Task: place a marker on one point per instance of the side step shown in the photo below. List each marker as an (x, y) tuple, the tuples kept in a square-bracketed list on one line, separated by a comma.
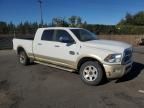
[(55, 66)]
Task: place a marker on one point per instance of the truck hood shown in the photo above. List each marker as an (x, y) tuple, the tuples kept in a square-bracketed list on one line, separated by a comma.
[(114, 46)]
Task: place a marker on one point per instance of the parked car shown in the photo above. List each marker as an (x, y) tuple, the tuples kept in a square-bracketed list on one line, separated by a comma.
[(76, 49)]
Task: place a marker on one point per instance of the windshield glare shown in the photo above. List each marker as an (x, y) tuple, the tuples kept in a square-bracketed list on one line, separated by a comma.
[(84, 35)]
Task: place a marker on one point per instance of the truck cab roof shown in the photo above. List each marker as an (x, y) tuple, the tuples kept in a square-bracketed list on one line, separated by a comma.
[(59, 28)]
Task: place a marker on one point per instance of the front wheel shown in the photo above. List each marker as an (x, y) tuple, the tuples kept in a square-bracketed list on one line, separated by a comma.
[(91, 73)]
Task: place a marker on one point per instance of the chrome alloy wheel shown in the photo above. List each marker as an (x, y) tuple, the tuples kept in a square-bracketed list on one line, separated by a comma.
[(90, 73)]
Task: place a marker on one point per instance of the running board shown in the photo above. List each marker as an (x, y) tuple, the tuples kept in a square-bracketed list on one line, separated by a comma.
[(55, 66)]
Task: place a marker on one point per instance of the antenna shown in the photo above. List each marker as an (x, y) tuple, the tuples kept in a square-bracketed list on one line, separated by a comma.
[(40, 3)]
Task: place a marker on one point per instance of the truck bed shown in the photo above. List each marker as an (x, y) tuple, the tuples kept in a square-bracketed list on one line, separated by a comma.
[(27, 44)]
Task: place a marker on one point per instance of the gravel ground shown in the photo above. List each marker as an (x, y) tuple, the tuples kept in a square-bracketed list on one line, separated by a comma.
[(38, 86)]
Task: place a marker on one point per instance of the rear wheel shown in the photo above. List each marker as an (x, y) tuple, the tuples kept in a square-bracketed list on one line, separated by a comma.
[(23, 58), (91, 73)]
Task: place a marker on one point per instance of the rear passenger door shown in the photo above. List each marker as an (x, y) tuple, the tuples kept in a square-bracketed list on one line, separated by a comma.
[(43, 47)]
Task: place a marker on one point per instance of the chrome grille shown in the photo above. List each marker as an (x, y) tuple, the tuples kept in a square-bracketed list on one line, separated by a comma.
[(127, 56)]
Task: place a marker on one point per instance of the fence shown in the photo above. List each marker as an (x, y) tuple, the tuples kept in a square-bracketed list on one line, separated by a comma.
[(6, 42)]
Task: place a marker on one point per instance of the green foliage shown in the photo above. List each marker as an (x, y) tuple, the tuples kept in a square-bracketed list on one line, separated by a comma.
[(130, 29), (3, 28), (26, 28), (22, 28), (72, 20), (135, 20), (59, 22), (75, 21), (132, 24), (101, 29)]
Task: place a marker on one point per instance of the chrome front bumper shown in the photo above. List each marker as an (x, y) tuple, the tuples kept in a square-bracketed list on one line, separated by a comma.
[(117, 71)]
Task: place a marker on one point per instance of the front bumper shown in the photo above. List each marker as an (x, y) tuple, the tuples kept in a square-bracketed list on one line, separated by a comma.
[(117, 71)]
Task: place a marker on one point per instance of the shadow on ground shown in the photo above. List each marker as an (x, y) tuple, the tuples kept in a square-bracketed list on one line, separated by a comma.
[(136, 70)]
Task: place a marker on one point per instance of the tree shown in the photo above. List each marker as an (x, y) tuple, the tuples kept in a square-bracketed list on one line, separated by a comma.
[(75, 21), (59, 22), (72, 21), (132, 24), (11, 28), (3, 28), (129, 19), (79, 22), (137, 19), (34, 27)]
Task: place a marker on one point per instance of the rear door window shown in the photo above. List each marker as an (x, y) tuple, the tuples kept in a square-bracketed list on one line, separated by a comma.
[(48, 35)]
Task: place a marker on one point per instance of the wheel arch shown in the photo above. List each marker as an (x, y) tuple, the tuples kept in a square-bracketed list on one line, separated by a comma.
[(19, 49), (85, 59)]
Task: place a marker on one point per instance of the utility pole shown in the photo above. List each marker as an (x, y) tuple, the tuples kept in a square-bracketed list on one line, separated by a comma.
[(40, 3)]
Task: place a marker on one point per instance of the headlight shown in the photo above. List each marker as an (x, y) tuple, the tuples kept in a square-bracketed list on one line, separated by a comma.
[(113, 58)]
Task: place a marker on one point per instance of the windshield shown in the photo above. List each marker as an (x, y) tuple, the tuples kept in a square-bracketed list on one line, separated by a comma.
[(84, 35)]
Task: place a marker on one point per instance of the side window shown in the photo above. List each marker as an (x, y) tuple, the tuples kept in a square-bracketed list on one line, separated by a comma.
[(63, 36), (47, 35)]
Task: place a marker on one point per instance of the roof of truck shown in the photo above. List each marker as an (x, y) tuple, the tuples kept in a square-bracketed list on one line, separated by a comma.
[(60, 28)]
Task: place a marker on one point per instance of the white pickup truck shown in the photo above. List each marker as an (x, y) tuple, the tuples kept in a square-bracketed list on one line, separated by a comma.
[(76, 49)]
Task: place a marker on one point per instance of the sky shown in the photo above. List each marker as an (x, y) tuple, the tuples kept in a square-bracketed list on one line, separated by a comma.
[(108, 12)]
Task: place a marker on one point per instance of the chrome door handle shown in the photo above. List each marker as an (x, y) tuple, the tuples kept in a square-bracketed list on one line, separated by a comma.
[(56, 46), (39, 43)]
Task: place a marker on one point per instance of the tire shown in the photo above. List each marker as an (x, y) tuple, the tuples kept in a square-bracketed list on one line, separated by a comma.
[(91, 73), (23, 58)]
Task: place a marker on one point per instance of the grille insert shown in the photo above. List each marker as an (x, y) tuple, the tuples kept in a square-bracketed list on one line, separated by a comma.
[(127, 56)]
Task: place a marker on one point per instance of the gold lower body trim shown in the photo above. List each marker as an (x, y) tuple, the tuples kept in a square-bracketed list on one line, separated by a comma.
[(55, 66)]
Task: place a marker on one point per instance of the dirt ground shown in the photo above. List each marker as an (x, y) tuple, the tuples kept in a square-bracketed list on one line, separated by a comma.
[(38, 86)]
